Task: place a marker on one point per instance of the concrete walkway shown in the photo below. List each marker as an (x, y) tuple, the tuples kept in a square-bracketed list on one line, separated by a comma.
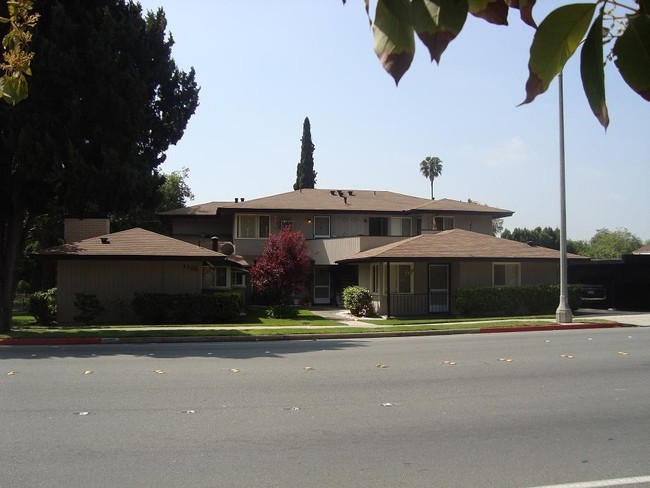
[(637, 318), (582, 315)]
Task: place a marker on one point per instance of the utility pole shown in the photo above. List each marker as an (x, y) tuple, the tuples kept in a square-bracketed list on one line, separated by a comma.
[(563, 313)]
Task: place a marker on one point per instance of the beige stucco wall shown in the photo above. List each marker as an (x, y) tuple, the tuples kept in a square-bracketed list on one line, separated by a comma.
[(115, 283), (532, 273), (462, 275), (189, 230), (75, 230)]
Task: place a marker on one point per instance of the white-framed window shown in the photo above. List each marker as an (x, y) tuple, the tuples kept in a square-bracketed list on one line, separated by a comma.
[(506, 274), (401, 278), (443, 223), (321, 226), (214, 276), (252, 226), (400, 226), (237, 278), (375, 278)]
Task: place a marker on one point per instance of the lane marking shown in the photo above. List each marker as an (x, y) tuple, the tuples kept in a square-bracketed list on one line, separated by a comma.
[(635, 480)]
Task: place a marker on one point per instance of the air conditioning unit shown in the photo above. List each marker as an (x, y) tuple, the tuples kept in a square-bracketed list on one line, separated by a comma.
[(228, 248)]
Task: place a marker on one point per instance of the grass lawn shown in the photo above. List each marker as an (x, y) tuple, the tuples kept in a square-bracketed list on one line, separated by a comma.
[(430, 320), (256, 323)]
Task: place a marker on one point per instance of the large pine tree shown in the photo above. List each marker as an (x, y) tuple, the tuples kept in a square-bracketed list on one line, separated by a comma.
[(105, 102), (305, 174)]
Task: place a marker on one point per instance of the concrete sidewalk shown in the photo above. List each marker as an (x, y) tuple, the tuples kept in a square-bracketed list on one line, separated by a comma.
[(583, 315), (640, 319)]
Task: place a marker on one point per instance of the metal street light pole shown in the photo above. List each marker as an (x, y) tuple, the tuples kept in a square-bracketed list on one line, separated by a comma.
[(563, 312)]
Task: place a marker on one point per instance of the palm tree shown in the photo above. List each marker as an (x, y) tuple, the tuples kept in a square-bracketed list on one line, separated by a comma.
[(431, 168)]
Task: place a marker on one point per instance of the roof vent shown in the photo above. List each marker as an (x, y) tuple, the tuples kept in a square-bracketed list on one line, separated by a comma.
[(236, 200), (242, 199), (104, 240), (531, 243)]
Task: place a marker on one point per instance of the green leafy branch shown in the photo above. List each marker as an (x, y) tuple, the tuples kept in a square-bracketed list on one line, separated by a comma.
[(437, 22), (16, 56)]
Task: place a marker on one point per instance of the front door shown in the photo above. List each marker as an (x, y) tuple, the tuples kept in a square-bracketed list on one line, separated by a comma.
[(321, 285), (438, 288)]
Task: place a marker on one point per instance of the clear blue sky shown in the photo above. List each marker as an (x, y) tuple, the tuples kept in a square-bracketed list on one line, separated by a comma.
[(263, 65)]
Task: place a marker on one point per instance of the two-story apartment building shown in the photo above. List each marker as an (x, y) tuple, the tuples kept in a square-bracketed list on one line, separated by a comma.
[(410, 252), (435, 245)]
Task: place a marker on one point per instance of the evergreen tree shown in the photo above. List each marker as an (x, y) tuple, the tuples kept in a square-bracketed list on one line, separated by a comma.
[(305, 174), (105, 102)]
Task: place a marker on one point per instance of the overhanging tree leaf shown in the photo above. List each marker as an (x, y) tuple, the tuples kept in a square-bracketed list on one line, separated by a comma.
[(645, 6), (592, 71), (438, 22), (525, 8), (632, 51), (494, 11), (394, 36), (555, 41)]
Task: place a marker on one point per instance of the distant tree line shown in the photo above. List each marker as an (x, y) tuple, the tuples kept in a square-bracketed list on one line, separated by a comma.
[(605, 244)]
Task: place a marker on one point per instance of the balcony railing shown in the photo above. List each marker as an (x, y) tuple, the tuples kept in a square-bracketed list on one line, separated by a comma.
[(418, 304)]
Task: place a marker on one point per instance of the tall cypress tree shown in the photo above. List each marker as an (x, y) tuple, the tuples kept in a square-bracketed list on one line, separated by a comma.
[(305, 174)]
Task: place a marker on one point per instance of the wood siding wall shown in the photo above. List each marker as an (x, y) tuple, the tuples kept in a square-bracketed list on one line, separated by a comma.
[(116, 282)]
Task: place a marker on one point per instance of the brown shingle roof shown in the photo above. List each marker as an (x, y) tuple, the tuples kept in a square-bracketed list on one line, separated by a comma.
[(132, 243), (642, 250), (456, 243), (456, 206), (202, 209), (331, 201), (344, 200)]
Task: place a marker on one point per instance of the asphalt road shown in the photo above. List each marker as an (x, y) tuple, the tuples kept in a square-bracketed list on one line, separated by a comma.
[(503, 410)]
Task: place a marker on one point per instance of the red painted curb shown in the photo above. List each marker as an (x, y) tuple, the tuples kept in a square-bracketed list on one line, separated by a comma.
[(531, 328), (49, 342)]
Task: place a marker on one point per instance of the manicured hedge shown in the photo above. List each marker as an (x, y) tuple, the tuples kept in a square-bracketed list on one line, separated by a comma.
[(516, 300), (185, 308)]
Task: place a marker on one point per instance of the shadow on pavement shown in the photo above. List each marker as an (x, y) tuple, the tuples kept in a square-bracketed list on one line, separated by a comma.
[(233, 350)]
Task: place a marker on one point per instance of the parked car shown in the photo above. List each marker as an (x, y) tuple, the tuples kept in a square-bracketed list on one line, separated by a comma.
[(594, 296)]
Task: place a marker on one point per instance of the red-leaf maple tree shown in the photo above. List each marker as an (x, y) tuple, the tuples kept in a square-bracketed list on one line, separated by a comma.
[(281, 271)]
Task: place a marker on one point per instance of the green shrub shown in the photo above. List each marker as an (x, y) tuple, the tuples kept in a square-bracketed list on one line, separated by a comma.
[(22, 287), (282, 312), (358, 300), (186, 308), (89, 308), (42, 305), (515, 300), (220, 306), (150, 308)]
